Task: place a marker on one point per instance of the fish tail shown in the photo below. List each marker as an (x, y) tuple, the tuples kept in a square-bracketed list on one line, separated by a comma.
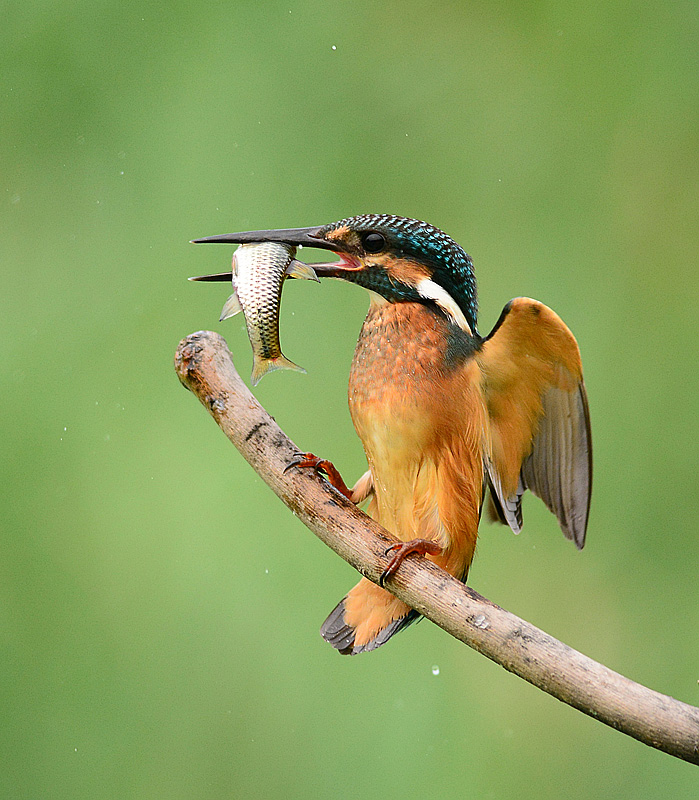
[(261, 366), (365, 619)]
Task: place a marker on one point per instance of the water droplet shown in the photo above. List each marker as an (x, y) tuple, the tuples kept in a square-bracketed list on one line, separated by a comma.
[(435, 670), (481, 622), (266, 572), (334, 48)]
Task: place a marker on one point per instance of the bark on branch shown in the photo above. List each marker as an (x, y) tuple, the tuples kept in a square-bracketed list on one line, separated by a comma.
[(203, 364)]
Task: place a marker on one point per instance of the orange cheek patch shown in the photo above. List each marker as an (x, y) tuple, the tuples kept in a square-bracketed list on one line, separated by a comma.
[(408, 272)]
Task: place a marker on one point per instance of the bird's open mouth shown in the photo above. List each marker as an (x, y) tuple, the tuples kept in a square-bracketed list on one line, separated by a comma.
[(338, 269)]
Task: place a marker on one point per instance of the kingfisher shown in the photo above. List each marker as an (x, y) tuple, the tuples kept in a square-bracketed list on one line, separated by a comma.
[(450, 420)]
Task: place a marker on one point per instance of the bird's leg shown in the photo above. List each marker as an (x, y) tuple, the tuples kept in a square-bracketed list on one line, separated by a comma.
[(322, 465), (403, 549)]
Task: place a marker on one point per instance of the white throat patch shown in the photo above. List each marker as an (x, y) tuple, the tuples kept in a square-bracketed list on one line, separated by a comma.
[(433, 291)]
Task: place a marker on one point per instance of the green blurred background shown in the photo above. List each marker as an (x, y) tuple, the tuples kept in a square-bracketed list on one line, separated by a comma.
[(159, 608)]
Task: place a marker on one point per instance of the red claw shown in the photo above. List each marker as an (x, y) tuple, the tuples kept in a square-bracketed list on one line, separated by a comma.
[(404, 549), (323, 466)]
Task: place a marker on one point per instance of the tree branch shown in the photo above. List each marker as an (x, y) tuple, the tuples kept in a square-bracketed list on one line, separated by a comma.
[(204, 366)]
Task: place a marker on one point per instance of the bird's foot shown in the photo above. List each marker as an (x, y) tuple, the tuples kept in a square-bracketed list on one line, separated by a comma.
[(322, 465), (404, 549)]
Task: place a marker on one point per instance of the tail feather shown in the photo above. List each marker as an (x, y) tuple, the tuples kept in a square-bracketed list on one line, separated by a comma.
[(351, 632), (336, 632)]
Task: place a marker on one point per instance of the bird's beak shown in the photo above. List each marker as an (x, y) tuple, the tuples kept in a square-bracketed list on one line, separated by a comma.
[(305, 237)]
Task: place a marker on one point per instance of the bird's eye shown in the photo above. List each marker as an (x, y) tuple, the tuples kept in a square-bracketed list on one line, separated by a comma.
[(373, 242)]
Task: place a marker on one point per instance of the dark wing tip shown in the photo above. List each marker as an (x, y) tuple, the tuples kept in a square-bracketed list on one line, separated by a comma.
[(583, 494)]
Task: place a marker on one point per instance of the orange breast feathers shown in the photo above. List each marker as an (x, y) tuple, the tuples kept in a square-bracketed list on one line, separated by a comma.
[(416, 402)]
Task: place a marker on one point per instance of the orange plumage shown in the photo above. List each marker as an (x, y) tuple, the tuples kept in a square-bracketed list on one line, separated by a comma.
[(428, 427), (409, 409), (442, 412)]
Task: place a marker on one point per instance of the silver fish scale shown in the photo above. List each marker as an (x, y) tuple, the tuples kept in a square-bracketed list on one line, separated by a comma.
[(260, 271)]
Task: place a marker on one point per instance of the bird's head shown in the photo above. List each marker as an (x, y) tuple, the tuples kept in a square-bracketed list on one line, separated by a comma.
[(397, 258)]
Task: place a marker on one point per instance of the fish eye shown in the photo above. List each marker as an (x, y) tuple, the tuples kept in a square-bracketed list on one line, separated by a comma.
[(373, 242)]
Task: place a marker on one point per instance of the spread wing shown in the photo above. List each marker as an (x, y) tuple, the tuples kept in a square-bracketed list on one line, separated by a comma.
[(540, 424)]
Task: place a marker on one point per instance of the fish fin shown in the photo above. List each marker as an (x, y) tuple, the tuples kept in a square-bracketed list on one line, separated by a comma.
[(230, 308), (261, 366), (297, 269), (365, 619)]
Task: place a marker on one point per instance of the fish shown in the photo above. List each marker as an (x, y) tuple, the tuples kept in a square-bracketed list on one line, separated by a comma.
[(258, 274)]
